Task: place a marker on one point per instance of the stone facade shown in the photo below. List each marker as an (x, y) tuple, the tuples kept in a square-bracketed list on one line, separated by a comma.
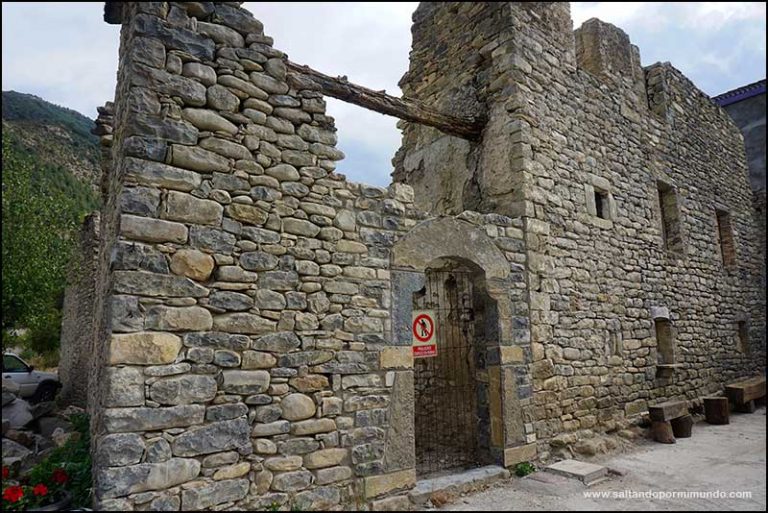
[(253, 307), (249, 355), (618, 173)]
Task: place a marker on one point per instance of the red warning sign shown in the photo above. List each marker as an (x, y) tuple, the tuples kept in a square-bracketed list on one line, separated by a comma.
[(423, 329)]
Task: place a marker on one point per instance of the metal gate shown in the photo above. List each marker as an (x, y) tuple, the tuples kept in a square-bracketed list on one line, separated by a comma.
[(446, 418)]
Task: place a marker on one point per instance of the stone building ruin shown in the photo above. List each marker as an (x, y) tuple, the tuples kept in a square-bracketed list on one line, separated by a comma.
[(585, 238)]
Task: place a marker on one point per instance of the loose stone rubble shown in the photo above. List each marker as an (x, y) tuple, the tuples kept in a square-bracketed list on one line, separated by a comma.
[(31, 432), (251, 334)]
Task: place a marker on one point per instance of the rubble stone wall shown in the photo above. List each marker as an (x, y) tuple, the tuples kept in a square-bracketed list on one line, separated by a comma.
[(77, 341), (252, 308), (578, 139), (249, 355)]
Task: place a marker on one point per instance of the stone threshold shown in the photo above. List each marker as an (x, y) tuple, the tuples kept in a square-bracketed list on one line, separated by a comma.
[(456, 483), (588, 473)]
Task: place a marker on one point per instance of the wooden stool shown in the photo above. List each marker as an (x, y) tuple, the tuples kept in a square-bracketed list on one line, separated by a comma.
[(682, 426), (662, 432), (716, 410)]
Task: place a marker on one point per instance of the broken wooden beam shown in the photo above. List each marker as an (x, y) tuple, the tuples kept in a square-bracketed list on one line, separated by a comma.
[(305, 77)]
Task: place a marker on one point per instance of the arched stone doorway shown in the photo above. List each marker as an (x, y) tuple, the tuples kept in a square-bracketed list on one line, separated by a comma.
[(466, 409)]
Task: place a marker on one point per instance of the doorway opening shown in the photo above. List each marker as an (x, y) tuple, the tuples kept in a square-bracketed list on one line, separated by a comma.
[(451, 389)]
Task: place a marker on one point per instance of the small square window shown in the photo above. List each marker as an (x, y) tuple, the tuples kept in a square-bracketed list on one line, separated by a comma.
[(599, 201)]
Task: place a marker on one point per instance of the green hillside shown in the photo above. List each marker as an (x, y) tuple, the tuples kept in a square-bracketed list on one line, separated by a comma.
[(55, 135), (27, 107)]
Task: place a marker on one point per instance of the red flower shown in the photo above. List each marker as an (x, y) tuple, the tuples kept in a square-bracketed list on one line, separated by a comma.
[(13, 493), (59, 476), (40, 490), (6, 472)]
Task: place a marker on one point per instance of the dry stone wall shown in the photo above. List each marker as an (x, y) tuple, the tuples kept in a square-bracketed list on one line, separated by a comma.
[(247, 355), (578, 140), (252, 308), (77, 337)]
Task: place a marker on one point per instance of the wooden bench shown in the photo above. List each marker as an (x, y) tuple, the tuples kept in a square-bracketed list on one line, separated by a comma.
[(669, 420), (743, 394)]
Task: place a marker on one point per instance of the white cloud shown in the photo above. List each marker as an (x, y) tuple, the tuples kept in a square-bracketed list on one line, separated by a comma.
[(611, 12), (63, 52), (656, 16)]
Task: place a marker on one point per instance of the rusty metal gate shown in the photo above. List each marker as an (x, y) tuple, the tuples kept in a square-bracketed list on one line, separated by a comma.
[(446, 412)]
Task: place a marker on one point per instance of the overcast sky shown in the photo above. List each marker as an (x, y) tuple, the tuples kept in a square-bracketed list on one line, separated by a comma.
[(66, 54)]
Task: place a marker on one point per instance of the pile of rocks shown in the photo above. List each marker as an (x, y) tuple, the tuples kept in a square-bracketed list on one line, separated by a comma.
[(31, 432)]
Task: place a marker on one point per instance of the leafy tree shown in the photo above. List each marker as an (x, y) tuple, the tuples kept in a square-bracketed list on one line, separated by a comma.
[(42, 208)]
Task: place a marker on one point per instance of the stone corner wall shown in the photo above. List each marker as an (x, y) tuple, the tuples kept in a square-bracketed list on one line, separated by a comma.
[(749, 116)]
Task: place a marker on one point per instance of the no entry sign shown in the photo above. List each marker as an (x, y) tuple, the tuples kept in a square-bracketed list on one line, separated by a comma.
[(423, 330)]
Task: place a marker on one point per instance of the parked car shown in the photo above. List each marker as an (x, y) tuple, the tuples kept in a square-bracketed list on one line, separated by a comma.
[(34, 386)]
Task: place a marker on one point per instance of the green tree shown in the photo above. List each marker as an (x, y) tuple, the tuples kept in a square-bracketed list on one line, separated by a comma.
[(41, 214)]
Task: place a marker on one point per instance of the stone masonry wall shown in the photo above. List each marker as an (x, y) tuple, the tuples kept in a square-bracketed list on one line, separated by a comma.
[(76, 339), (248, 356), (571, 127), (252, 307)]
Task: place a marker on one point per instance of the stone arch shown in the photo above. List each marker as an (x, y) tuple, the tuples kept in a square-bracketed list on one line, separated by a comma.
[(447, 237)]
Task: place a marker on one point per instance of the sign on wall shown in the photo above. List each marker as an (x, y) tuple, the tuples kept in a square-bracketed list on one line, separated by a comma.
[(423, 331)]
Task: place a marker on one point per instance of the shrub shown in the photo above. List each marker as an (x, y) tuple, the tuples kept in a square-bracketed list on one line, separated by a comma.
[(524, 468), (42, 209)]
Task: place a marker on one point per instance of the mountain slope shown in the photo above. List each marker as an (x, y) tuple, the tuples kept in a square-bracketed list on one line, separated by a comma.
[(53, 135)]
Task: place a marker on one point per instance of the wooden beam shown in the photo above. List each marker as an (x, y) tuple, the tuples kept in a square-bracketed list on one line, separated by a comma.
[(304, 77)]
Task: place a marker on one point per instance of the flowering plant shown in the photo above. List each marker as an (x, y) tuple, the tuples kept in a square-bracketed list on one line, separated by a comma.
[(64, 473), (19, 496)]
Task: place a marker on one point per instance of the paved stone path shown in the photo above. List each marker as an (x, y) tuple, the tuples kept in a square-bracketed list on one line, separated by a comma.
[(730, 458)]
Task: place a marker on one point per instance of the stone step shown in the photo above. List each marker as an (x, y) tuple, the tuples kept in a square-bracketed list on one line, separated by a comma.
[(597, 481), (456, 483), (587, 473)]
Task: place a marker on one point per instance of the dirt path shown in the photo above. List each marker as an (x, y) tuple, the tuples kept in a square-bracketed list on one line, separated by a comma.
[(725, 459)]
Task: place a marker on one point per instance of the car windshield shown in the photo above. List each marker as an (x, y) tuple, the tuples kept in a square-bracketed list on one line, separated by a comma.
[(13, 364)]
